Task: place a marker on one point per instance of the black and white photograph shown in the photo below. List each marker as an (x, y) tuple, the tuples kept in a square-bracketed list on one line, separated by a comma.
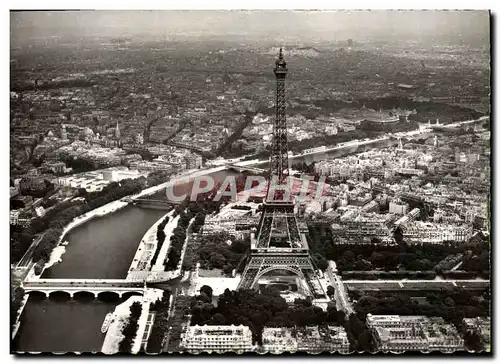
[(274, 182)]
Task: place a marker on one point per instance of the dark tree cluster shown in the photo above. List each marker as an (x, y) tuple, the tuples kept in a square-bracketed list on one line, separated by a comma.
[(425, 110), (360, 337), (198, 222), (380, 274), (177, 322), (36, 189), (478, 260), (297, 146), (409, 258), (474, 342), (350, 257), (257, 310), (448, 263), (130, 330), (160, 238), (205, 205), (160, 324), (49, 203), (178, 237), (47, 244), (451, 304), (115, 191), (78, 165), (20, 241), (157, 177), (190, 257), (422, 258), (305, 168), (16, 296), (214, 252), (52, 85), (40, 224), (21, 238)]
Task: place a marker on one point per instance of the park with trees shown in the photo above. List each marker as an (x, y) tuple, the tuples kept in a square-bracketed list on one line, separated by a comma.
[(178, 237), (160, 324), (20, 241), (225, 257), (221, 251), (451, 304), (399, 260), (267, 308)]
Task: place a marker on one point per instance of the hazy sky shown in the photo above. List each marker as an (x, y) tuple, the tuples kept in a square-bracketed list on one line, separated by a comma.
[(273, 23)]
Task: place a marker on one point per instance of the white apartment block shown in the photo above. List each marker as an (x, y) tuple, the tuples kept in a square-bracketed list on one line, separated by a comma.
[(277, 340), (90, 185), (413, 333), (316, 339), (398, 207), (426, 232), (312, 339), (410, 171), (217, 338), (95, 181), (14, 217)]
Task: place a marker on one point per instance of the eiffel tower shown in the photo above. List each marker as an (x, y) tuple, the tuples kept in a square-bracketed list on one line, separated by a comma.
[(278, 243)]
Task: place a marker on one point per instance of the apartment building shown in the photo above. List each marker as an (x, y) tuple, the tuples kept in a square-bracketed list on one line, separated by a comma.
[(217, 338), (413, 333)]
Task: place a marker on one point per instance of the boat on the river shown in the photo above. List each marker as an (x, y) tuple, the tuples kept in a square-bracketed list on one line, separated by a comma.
[(107, 321)]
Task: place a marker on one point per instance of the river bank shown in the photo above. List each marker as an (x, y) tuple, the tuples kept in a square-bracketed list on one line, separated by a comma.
[(169, 231), (104, 247), (121, 315), (60, 249), (146, 249), (141, 265), (19, 313), (351, 147)]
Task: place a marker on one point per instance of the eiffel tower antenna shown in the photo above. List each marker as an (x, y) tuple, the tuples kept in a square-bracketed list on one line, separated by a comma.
[(278, 243), (279, 151)]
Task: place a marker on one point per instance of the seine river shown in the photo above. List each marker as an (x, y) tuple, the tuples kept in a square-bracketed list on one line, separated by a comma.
[(62, 325), (101, 248), (105, 246)]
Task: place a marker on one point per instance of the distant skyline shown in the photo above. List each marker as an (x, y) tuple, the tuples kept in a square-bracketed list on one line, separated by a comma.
[(321, 25)]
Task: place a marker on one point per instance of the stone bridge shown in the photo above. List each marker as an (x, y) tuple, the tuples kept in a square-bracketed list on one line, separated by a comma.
[(92, 286), (241, 169), (154, 203)]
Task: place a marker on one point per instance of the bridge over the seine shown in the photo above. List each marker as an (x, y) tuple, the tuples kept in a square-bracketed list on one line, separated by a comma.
[(154, 203), (243, 168), (93, 286)]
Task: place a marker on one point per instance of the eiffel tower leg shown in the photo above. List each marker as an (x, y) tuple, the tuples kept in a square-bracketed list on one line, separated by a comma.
[(250, 274), (300, 266)]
